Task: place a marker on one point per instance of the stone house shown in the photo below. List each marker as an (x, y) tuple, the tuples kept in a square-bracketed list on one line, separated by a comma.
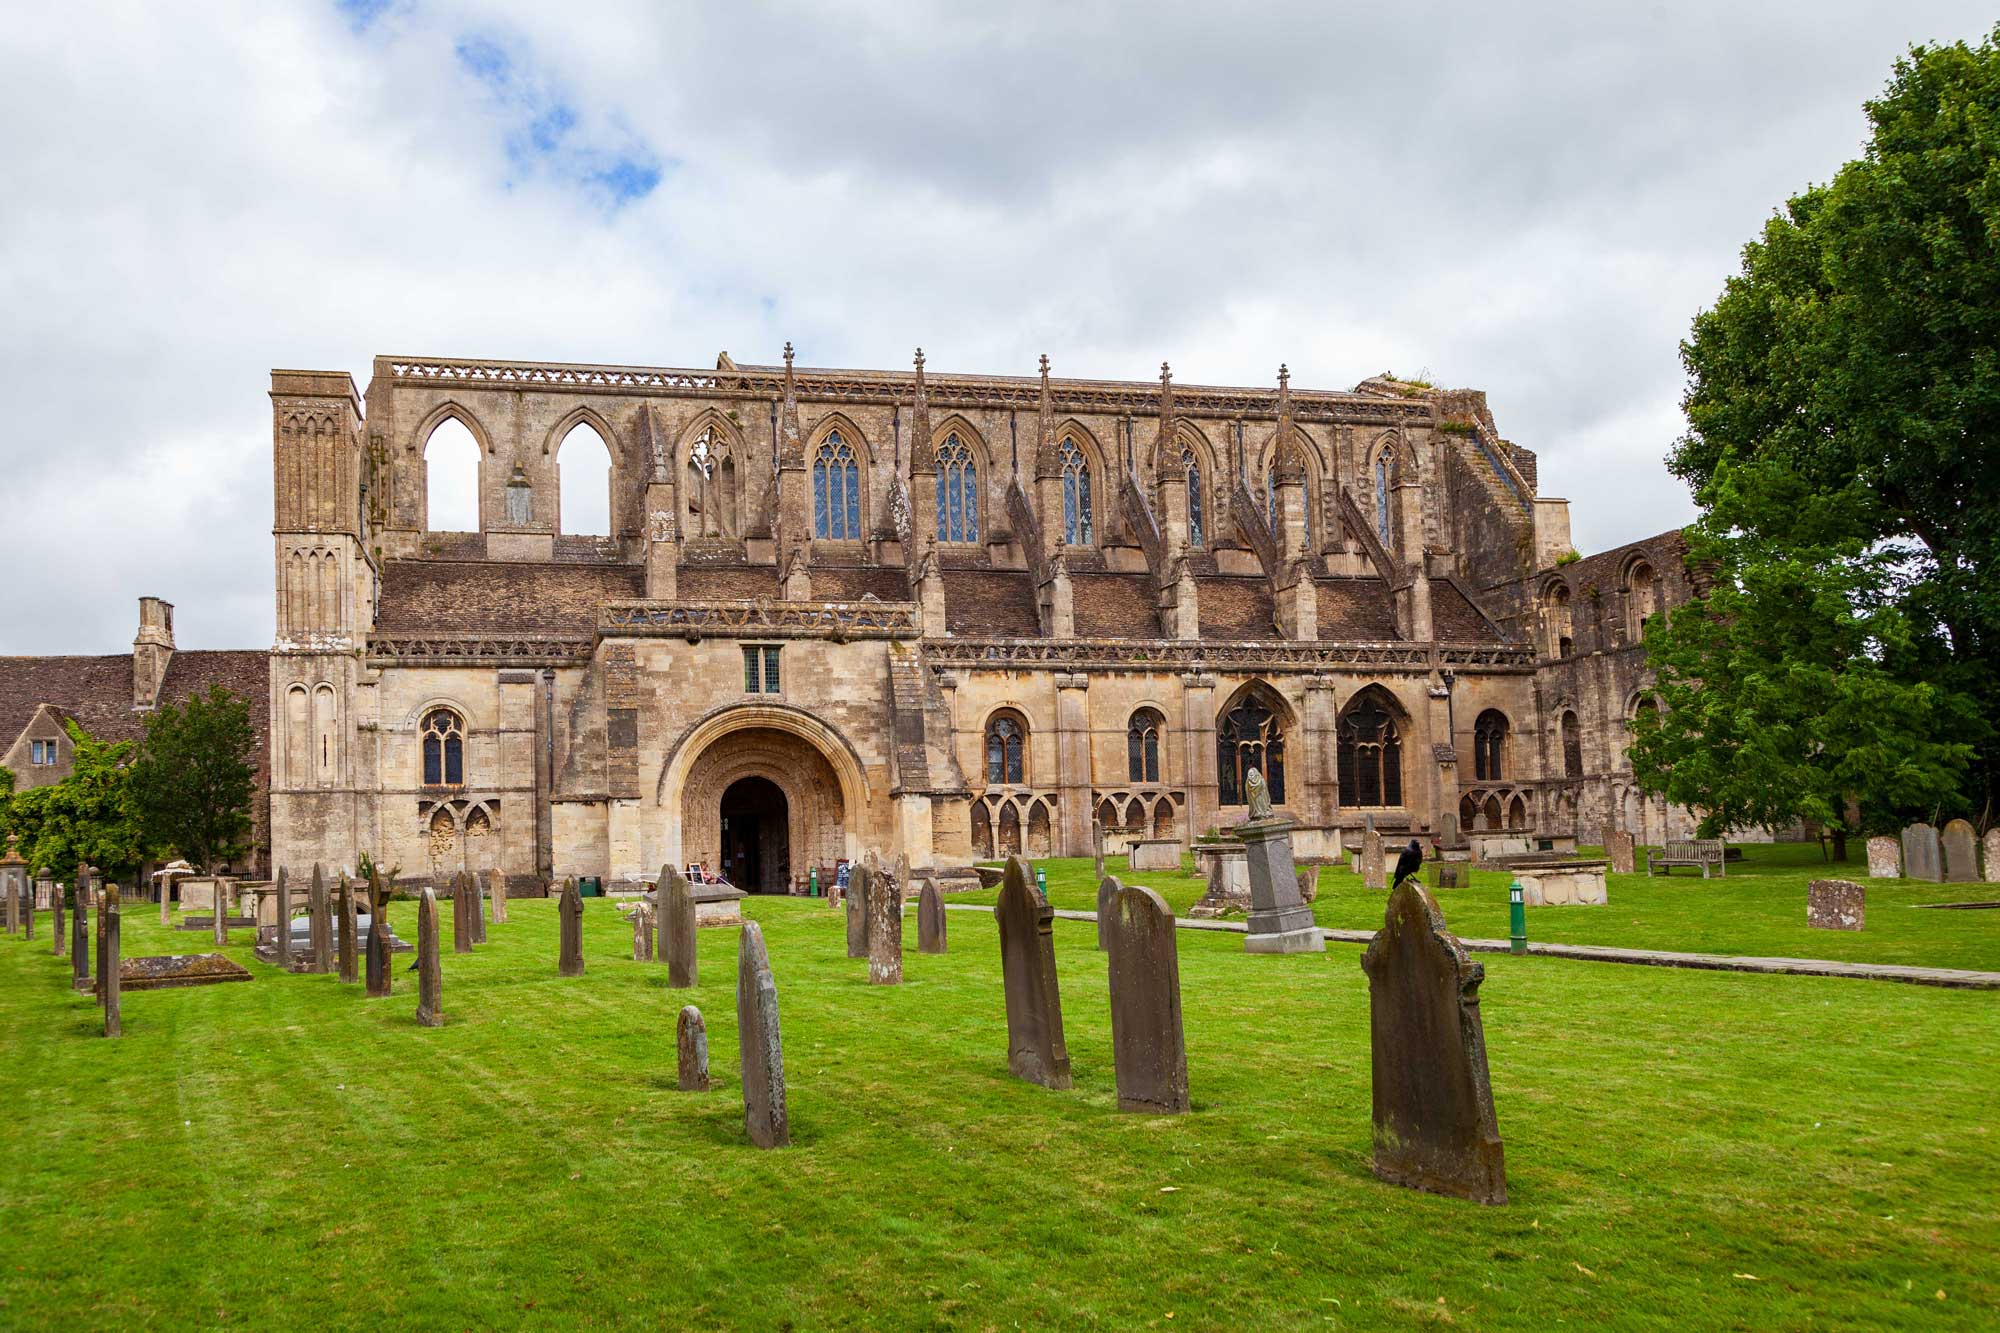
[(950, 616)]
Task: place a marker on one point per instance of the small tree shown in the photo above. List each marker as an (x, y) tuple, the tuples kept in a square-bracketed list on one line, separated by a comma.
[(87, 818), (194, 778)]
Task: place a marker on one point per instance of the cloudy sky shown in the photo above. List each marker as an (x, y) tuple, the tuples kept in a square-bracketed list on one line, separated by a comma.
[(1529, 199)]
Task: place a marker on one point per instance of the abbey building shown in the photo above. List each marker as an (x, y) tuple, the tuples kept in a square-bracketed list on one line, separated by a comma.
[(944, 615)]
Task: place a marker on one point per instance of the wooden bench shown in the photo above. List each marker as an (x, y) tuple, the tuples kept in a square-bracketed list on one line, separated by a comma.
[(1703, 852)]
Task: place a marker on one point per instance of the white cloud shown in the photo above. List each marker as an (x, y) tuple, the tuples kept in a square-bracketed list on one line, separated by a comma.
[(1532, 200)]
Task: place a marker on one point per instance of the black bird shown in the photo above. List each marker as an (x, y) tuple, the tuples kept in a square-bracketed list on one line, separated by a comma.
[(1408, 863)]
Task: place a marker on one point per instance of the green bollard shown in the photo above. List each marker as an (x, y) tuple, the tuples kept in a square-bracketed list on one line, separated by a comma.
[(812, 882), (1042, 883), (1517, 914)]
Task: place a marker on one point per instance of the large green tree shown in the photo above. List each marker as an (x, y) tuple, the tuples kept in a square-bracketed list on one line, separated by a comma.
[(1843, 441), (88, 817), (194, 778)]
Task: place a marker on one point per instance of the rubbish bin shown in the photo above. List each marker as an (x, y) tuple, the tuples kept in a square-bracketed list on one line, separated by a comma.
[(589, 886)]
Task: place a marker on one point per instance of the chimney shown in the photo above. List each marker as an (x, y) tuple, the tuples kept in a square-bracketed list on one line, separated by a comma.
[(152, 649)]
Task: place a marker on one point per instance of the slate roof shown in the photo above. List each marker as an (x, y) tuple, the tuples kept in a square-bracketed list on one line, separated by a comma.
[(480, 596)]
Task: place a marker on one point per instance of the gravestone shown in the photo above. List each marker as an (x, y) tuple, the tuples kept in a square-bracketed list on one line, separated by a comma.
[(1280, 921), (220, 924), (1107, 888), (1885, 858), (1372, 874), (462, 913), (858, 883), (1961, 853), (1433, 1102), (12, 895), (27, 905), (677, 926), (79, 935), (430, 969), (692, 1039), (103, 896), (1618, 849), (1836, 904), (1097, 850), (1035, 1048), (1452, 874), (642, 934), (322, 923), (59, 938), (284, 944), (1992, 862), (930, 919), (345, 905), (1148, 1052), (475, 908), (1448, 826), (1308, 883), (570, 910), (885, 932), (1922, 854), (497, 897), (379, 976), (110, 952), (758, 1043)]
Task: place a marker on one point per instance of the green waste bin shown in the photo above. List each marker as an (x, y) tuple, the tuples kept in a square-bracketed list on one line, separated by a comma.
[(590, 886)]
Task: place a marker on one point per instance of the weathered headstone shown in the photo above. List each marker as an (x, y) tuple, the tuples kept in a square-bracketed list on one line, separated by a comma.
[(11, 895), (430, 969), (1451, 874), (1372, 873), (1035, 1048), (497, 896), (475, 907), (1619, 849), (1922, 854), (1280, 922), (692, 1041), (1308, 883), (930, 919), (27, 905), (109, 891), (284, 921), (321, 936), (166, 896), (1885, 858), (677, 929), (58, 937), (1107, 888), (1097, 850), (570, 910), (380, 978), (1992, 860), (1434, 1123), (758, 1043), (461, 913), (1961, 853), (1148, 1051), (220, 923), (1836, 904), (885, 932), (642, 934), (858, 884), (79, 934), (1448, 830), (111, 953), (347, 924)]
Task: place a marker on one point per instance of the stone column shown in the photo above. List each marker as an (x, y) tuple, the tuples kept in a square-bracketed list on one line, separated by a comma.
[(1198, 744), (1073, 775)]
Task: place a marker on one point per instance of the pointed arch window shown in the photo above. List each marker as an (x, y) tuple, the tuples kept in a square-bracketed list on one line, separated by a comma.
[(1077, 527), (444, 749), (1382, 496), (957, 492), (711, 486), (1489, 744), (1250, 737), (1371, 755), (1006, 750), (1194, 480), (1142, 746), (1572, 745), (836, 490)]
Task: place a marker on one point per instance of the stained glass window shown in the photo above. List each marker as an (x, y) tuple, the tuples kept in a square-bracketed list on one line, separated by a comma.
[(1076, 495), (836, 491), (957, 492)]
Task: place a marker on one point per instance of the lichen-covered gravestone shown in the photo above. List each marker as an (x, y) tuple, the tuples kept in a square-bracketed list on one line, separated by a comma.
[(677, 928), (930, 919), (462, 933), (1107, 888), (858, 884), (1434, 1124), (1618, 847), (885, 932), (1148, 1051), (1308, 883), (379, 974), (1836, 904), (348, 973), (430, 968), (498, 897), (1922, 856), (759, 1043), (1035, 1048), (1992, 849), (59, 940), (570, 910), (691, 1040), (79, 934), (321, 934), (1372, 874), (284, 940), (642, 934), (1961, 853), (111, 950), (475, 907), (1885, 858)]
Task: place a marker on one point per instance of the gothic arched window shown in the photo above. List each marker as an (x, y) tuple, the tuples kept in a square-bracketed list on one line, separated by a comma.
[(957, 492), (1142, 746), (1193, 494), (1006, 750), (1572, 743), (444, 749), (836, 491), (1382, 496), (711, 486), (1076, 494), (1489, 744), (1250, 737), (1371, 754)]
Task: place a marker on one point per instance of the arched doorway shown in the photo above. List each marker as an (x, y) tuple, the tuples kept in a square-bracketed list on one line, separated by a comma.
[(756, 836)]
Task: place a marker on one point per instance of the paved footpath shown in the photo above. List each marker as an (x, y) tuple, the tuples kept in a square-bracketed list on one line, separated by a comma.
[(1950, 977)]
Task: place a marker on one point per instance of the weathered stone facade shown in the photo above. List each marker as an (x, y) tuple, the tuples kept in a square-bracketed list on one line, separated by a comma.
[(947, 616)]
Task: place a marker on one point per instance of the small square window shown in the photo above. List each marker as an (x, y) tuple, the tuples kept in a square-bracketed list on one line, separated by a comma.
[(760, 669), (770, 670), (41, 752)]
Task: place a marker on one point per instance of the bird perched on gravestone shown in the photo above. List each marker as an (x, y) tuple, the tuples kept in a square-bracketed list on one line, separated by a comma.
[(1408, 863)]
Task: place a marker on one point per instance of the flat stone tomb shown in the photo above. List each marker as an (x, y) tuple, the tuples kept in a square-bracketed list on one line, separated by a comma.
[(174, 971), (1035, 1047), (1148, 1049), (760, 1045), (1433, 1101), (1836, 904)]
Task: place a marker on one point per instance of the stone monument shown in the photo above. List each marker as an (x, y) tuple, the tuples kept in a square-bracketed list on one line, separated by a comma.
[(677, 928), (692, 1040), (885, 932), (346, 922), (320, 919), (379, 975), (856, 899), (1373, 875), (1107, 887), (1618, 850), (1280, 922), (475, 907), (1148, 1052), (642, 934), (79, 933), (498, 897), (430, 969), (59, 939), (1035, 1048), (1992, 849), (930, 918), (759, 1044), (1097, 850), (111, 952), (462, 913), (1836, 904), (1434, 1123), (1961, 853), (1922, 854), (1885, 858), (284, 936), (570, 910)]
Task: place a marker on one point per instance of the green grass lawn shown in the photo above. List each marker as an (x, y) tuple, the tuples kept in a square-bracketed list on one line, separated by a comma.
[(1704, 1148), (1758, 908)]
